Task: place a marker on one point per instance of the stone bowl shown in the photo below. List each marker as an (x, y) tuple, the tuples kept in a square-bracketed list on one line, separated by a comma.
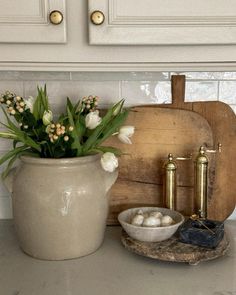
[(150, 234)]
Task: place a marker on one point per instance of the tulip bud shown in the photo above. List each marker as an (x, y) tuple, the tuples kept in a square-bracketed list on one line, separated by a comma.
[(109, 162), (118, 107), (92, 120), (47, 117)]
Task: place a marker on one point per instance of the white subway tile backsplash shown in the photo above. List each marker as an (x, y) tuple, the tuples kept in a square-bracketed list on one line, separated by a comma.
[(201, 91), (233, 107), (208, 75), (5, 145), (120, 76), (58, 91), (227, 92), (146, 92), (26, 76), (3, 190), (12, 86), (5, 207)]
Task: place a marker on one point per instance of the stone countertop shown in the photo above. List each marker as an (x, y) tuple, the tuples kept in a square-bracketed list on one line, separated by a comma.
[(112, 270)]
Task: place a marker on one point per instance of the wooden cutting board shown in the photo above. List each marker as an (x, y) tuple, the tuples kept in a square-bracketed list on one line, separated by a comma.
[(180, 128)]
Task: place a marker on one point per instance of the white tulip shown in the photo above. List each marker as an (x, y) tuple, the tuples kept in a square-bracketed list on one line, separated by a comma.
[(125, 133), (109, 162), (47, 117), (29, 103), (92, 120)]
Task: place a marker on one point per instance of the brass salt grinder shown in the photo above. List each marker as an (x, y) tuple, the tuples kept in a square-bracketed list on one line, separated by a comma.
[(201, 180), (169, 187)]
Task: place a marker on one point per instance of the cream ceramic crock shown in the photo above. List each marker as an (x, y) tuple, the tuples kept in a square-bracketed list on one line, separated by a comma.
[(60, 206)]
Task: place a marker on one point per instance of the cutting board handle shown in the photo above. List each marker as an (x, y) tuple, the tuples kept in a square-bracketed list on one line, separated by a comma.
[(178, 90)]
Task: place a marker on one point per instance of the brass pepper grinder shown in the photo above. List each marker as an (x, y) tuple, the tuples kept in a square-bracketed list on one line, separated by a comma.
[(201, 180), (169, 187)]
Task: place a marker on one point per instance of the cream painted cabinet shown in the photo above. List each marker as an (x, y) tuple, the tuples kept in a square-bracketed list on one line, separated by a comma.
[(136, 35), (24, 21), (164, 22)]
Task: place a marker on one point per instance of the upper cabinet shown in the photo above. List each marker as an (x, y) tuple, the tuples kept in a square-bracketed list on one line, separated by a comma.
[(118, 35), (34, 21), (162, 22)]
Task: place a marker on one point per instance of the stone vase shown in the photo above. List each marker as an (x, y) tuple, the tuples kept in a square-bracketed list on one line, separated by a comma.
[(60, 206)]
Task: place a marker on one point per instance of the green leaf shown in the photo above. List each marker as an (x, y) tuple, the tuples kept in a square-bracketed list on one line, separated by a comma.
[(8, 135), (14, 158), (70, 106), (105, 149), (12, 153), (74, 134), (113, 127), (21, 135), (41, 103), (10, 163)]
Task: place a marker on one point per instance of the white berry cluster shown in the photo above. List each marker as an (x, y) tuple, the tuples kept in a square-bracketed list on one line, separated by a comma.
[(14, 103), (56, 131), (89, 104)]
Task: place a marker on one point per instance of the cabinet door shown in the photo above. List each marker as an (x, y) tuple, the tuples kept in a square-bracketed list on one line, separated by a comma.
[(164, 22), (24, 21)]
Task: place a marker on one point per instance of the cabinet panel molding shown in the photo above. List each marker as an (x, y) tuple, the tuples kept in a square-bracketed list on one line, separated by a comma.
[(27, 22), (159, 22)]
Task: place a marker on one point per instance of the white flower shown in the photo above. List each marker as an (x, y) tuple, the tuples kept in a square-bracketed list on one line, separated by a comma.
[(109, 162), (29, 103), (92, 120), (47, 117), (125, 133)]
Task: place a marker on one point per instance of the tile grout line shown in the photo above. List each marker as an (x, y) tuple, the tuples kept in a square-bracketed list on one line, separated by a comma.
[(218, 90), (120, 89)]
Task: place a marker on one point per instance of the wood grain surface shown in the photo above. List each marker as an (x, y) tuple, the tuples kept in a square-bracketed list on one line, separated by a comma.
[(180, 128)]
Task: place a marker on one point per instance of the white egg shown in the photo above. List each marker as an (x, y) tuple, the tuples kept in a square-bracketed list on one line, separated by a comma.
[(151, 221), (156, 214), (166, 220), (137, 220)]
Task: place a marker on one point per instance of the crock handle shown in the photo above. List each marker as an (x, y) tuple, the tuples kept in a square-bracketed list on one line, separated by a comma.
[(110, 179)]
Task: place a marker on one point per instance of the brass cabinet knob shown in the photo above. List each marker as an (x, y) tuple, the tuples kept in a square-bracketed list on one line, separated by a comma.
[(55, 17), (97, 17)]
